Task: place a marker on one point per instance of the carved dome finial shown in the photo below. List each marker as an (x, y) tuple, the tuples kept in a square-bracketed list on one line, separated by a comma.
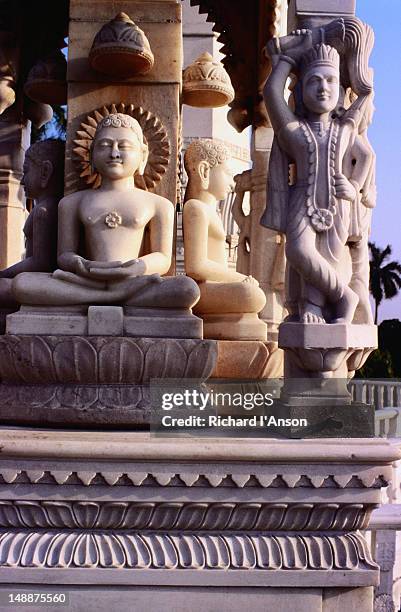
[(206, 83), (121, 49), (47, 80)]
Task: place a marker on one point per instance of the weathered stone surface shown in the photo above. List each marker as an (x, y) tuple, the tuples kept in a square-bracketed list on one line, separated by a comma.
[(104, 360), (105, 321), (90, 406), (326, 420)]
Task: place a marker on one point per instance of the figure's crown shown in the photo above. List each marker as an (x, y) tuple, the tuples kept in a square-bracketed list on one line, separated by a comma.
[(320, 55)]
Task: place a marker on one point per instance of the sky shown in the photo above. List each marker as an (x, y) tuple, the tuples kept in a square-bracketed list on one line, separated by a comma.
[(385, 131)]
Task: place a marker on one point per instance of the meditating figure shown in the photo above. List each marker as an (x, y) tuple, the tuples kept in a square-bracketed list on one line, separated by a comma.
[(229, 301), (43, 181), (322, 213), (114, 242)]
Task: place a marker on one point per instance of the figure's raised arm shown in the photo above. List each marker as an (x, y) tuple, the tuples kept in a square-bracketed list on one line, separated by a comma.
[(283, 63)]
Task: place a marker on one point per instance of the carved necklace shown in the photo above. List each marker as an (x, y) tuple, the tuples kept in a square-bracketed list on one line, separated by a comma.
[(113, 219), (322, 219)]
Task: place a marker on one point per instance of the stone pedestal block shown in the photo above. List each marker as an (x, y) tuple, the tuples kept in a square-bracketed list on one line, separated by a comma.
[(320, 350), (104, 320), (234, 326), (280, 523)]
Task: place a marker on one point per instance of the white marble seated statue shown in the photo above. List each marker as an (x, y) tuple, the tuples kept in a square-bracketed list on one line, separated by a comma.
[(114, 242), (229, 301), (43, 182), (325, 214)]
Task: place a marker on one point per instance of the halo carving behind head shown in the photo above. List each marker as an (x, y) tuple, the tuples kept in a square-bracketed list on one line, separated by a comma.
[(155, 136)]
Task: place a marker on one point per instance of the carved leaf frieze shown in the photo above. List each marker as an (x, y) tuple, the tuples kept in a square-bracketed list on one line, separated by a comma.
[(207, 516), (184, 551)]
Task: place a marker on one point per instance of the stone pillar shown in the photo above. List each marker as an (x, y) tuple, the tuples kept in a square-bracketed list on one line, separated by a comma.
[(156, 92), (177, 523), (14, 140), (266, 255), (260, 250)]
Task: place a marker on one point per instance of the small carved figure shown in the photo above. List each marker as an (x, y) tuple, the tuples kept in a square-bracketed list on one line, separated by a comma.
[(224, 292), (43, 180), (115, 241), (321, 213)]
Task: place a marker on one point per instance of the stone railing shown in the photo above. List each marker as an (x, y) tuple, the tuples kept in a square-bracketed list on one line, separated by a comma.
[(388, 423), (381, 393)]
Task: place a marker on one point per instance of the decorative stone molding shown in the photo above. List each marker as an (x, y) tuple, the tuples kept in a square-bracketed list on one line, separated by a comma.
[(121, 49), (143, 475), (154, 133), (327, 361), (269, 513), (206, 83), (104, 360), (185, 551), (176, 516)]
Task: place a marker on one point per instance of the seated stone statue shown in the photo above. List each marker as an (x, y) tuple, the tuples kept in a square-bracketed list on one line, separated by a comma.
[(114, 242), (229, 301), (43, 180)]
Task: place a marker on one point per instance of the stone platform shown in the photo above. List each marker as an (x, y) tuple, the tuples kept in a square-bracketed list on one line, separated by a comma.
[(103, 381), (124, 516), (104, 321)]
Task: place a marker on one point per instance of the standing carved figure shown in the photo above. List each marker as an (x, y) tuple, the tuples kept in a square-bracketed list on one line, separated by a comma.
[(324, 214)]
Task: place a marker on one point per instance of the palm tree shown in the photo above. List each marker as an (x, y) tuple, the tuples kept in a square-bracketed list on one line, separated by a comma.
[(385, 280)]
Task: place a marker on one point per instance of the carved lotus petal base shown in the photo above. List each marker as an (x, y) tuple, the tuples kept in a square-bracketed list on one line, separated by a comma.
[(248, 360), (79, 406), (104, 360)]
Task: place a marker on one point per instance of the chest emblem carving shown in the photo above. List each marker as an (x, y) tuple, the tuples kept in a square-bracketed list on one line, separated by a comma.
[(113, 220)]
